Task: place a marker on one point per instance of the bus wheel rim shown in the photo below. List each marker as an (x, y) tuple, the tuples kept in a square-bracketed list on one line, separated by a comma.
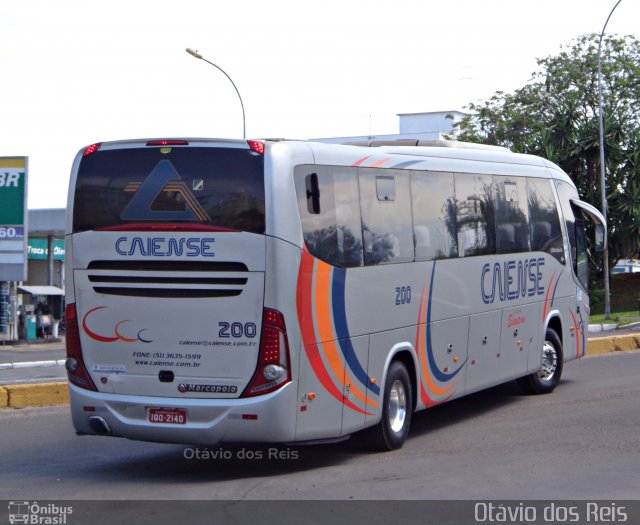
[(549, 362), (397, 406)]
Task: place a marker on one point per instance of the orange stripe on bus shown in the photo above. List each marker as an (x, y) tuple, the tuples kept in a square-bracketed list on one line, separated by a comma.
[(323, 318), (547, 306), (379, 162), (420, 335), (432, 388), (358, 162)]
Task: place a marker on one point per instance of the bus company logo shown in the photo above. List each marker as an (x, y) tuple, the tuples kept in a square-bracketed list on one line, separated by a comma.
[(165, 246), (164, 178), (515, 319), (117, 334), (33, 513), (511, 280)]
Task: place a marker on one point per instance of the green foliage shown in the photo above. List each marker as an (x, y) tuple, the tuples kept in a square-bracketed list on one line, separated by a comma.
[(625, 300), (555, 116)]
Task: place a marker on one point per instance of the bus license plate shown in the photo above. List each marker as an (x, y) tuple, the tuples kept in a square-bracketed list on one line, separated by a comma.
[(171, 416)]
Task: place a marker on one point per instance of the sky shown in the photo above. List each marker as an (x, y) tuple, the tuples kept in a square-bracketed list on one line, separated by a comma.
[(77, 72)]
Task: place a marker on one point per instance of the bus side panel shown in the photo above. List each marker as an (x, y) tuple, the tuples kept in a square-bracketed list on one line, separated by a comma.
[(359, 402), (319, 398), (443, 360), (382, 348), (520, 351), (484, 349), (573, 328)]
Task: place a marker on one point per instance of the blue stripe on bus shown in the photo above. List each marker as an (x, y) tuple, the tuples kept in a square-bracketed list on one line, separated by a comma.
[(406, 163), (440, 376), (342, 332)]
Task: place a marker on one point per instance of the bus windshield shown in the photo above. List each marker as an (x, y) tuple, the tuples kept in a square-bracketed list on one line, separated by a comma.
[(207, 188)]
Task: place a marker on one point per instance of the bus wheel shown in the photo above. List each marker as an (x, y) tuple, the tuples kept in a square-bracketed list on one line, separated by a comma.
[(547, 378), (393, 429)]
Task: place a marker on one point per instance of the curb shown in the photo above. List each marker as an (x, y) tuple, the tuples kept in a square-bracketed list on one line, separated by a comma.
[(32, 364), (601, 327), (35, 395), (618, 343)]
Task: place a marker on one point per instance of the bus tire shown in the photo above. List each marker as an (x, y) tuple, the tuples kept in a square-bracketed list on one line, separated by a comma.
[(397, 408), (547, 378)]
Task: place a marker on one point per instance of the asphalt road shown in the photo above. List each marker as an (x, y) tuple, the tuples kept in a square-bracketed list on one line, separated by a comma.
[(27, 354), (581, 442), (42, 352)]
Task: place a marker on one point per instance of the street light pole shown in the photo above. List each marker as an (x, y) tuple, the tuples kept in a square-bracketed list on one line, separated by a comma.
[(199, 56), (603, 190)]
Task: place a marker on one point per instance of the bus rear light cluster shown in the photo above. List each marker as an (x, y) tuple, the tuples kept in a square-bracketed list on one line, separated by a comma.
[(74, 364), (168, 142), (91, 149), (274, 369), (257, 146)]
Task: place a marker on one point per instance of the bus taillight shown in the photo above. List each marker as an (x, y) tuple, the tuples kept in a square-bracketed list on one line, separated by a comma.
[(89, 150), (273, 368), (74, 364), (168, 142), (257, 146)]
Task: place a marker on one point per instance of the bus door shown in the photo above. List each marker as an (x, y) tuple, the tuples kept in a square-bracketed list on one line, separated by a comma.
[(577, 306)]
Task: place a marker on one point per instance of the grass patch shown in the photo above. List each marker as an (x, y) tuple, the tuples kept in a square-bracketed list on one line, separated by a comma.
[(619, 318), (625, 294)]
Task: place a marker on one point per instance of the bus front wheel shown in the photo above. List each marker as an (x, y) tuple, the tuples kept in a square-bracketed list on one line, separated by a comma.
[(547, 378), (393, 429)]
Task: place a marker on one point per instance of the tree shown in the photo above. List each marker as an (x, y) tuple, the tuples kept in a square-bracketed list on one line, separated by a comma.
[(555, 115)]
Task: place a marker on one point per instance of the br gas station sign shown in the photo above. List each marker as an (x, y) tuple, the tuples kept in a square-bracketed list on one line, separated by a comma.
[(13, 234), (13, 218)]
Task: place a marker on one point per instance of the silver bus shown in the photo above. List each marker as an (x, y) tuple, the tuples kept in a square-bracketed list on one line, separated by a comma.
[(290, 291)]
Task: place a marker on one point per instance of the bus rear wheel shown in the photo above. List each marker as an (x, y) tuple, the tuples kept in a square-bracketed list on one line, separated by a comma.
[(547, 378), (397, 407)]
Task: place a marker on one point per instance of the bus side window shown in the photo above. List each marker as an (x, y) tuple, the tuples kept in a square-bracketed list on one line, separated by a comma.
[(565, 193), (512, 215), (385, 204), (475, 214), (434, 215), (575, 230), (581, 265), (330, 217), (546, 234)]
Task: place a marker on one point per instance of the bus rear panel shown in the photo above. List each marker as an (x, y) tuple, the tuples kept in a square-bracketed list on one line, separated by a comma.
[(167, 265)]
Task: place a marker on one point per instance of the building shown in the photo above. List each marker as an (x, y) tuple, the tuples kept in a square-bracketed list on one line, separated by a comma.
[(45, 261), (43, 290), (435, 125)]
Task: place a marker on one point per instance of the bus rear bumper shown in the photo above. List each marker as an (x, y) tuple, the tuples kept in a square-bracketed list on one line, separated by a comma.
[(270, 418)]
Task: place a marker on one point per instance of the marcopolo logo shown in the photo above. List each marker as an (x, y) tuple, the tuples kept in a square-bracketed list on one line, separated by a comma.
[(37, 514), (208, 389)]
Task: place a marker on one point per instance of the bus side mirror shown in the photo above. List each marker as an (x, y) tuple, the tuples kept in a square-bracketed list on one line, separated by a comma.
[(599, 241)]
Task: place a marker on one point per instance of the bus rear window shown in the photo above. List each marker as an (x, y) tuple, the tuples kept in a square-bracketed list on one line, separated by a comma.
[(207, 187)]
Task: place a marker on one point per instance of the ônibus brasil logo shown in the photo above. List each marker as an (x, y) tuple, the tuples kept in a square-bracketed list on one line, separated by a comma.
[(117, 330), (34, 513)]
